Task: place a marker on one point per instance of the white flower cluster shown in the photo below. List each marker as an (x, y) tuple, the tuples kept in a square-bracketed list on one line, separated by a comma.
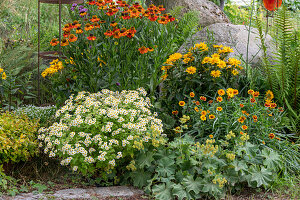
[(98, 129)]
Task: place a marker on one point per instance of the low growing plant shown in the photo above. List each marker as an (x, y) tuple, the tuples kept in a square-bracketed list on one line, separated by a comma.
[(17, 137), (99, 132), (188, 170)]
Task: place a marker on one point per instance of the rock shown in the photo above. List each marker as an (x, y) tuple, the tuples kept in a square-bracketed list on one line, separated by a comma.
[(235, 36), (79, 193), (209, 13)]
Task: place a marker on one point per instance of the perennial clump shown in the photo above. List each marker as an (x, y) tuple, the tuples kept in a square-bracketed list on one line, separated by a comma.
[(99, 130)]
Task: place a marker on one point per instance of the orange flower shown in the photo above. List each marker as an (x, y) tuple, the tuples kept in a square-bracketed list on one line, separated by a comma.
[(196, 109), (72, 38), (211, 136), (277, 138), (88, 27), (219, 99), (54, 42), (242, 105), (203, 112), (263, 142), (95, 19), (143, 50), (242, 119), (64, 42), (271, 135), (212, 116), (192, 94), (252, 100), (91, 37), (256, 94), (113, 24), (221, 92), (152, 17), (219, 108), (254, 117), (280, 109), (175, 112), (181, 103), (244, 127), (79, 30), (96, 25), (163, 20), (235, 92), (210, 101), (197, 103), (203, 98), (241, 132)]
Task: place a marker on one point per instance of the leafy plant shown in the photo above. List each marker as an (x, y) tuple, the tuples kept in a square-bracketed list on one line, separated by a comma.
[(45, 115), (187, 170), (17, 137)]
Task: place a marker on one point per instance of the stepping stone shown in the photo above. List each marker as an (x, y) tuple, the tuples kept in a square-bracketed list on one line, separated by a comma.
[(80, 193)]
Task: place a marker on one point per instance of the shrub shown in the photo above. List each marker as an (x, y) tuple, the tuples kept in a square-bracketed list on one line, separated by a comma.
[(17, 137), (45, 115), (188, 170), (203, 68), (100, 131)]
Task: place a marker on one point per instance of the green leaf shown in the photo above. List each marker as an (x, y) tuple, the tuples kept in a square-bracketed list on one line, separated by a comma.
[(162, 191), (180, 192), (166, 167), (211, 188), (191, 184), (140, 178), (272, 159), (145, 159), (261, 176)]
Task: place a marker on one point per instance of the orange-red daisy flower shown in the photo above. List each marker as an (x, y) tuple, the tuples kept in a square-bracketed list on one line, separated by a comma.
[(54, 42), (72, 38), (91, 37), (271, 135), (143, 50)]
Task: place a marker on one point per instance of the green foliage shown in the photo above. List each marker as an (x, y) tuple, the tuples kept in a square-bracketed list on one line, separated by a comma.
[(17, 137), (101, 132), (187, 170), (237, 14), (283, 77), (45, 115)]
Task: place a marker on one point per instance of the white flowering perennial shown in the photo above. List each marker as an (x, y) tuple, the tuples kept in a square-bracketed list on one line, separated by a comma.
[(96, 131)]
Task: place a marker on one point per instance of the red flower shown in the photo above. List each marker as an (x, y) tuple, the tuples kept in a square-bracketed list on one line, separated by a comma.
[(272, 4), (143, 50)]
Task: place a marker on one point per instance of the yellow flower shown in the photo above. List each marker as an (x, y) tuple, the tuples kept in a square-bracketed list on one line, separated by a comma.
[(219, 99), (225, 50), (219, 108), (269, 94), (212, 116), (191, 70), (203, 118), (174, 57), (233, 61), (1, 70), (192, 94), (211, 136), (201, 46), (214, 60), (218, 46), (235, 72), (181, 103), (215, 73), (206, 60), (222, 64), (4, 76), (196, 109)]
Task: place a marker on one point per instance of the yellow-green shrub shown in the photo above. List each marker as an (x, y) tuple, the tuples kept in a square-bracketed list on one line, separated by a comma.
[(17, 137)]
